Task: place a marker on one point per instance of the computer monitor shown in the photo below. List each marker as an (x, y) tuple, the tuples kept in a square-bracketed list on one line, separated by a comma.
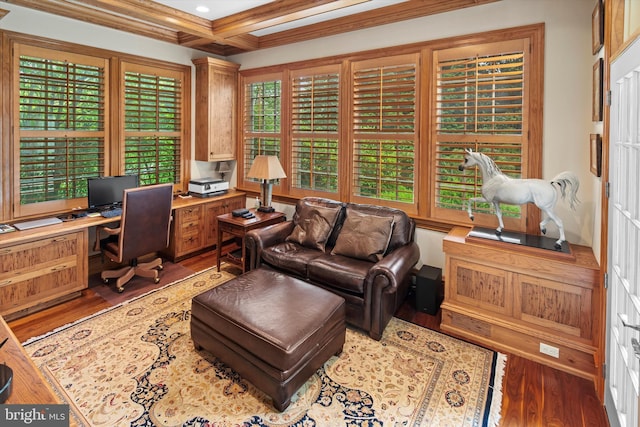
[(108, 191)]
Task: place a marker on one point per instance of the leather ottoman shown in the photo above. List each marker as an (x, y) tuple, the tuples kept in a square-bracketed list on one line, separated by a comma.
[(272, 329)]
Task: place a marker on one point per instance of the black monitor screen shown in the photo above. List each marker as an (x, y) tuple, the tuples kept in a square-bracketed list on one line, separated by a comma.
[(109, 190)]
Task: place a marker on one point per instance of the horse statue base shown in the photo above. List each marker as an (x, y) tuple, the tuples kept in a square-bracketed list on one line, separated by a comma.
[(522, 239)]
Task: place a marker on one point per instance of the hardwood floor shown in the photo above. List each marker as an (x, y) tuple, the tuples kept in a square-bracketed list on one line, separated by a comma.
[(533, 394)]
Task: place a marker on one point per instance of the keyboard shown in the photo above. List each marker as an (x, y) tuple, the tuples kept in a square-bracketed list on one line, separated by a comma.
[(37, 223), (110, 213)]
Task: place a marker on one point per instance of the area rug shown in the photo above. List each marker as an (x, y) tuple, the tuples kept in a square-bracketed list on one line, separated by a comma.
[(135, 365)]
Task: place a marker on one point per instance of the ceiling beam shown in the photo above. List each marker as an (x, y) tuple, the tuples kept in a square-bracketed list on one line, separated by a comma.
[(159, 14), (375, 17), (276, 13), (103, 18)]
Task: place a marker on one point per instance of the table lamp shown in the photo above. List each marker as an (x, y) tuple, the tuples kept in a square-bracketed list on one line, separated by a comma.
[(223, 168), (266, 168)]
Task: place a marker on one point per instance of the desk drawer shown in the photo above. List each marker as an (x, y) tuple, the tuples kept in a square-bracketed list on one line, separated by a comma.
[(42, 270), (190, 214)]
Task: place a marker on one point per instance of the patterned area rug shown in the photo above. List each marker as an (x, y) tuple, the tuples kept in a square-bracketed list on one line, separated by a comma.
[(135, 365)]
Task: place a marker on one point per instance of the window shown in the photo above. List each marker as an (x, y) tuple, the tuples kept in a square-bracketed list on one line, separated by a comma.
[(152, 124), (61, 126), (384, 130), (479, 104), (74, 120), (262, 122), (390, 126), (315, 115)]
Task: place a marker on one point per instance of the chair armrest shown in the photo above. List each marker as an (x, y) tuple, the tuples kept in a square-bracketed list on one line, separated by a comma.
[(257, 240), (108, 230)]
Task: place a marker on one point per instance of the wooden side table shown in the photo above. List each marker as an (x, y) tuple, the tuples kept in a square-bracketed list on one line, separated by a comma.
[(238, 227)]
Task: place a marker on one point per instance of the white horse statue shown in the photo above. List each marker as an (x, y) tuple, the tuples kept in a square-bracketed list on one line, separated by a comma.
[(499, 188)]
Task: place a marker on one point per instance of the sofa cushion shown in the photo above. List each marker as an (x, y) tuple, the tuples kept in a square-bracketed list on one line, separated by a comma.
[(314, 225), (290, 257), (403, 225), (339, 272), (364, 236)]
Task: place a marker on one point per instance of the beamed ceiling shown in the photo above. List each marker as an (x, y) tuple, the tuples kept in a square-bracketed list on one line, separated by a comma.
[(244, 31)]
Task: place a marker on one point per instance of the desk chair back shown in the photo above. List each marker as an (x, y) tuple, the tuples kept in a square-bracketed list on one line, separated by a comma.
[(145, 222)]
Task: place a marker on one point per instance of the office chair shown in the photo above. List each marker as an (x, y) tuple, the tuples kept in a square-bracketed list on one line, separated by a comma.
[(144, 229)]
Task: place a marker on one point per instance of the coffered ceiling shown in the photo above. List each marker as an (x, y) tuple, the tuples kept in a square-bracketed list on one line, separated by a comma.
[(227, 27)]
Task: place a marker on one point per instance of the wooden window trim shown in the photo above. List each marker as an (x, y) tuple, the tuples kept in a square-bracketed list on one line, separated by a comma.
[(425, 154), (9, 40)]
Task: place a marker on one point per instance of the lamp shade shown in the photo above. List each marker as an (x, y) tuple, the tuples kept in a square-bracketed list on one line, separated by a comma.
[(267, 168), (223, 167)]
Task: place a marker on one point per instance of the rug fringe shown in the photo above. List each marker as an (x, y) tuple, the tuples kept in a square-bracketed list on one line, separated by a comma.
[(495, 412), (91, 316)]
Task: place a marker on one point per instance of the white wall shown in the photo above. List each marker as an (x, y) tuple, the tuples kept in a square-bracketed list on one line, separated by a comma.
[(567, 96)]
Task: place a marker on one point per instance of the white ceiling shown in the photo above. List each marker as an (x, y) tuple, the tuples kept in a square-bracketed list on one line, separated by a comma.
[(222, 8)]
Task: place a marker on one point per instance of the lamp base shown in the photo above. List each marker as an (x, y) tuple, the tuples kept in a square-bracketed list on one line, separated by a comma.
[(267, 209)]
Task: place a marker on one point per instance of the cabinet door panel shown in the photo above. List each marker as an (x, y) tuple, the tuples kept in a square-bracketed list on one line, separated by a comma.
[(481, 286), (554, 305)]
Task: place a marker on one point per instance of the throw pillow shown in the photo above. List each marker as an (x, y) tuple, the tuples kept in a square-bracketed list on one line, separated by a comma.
[(364, 236), (313, 229)]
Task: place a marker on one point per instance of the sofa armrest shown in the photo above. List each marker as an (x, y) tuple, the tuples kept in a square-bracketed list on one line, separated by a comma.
[(389, 284), (397, 265), (257, 240)]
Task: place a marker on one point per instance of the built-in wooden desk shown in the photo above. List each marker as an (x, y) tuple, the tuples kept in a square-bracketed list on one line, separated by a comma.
[(29, 386), (44, 266)]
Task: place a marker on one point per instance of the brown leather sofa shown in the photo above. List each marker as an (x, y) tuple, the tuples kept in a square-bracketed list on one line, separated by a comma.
[(364, 253)]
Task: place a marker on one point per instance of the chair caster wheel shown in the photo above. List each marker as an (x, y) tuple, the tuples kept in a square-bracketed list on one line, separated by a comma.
[(120, 290), (156, 280), (105, 281), (160, 267)]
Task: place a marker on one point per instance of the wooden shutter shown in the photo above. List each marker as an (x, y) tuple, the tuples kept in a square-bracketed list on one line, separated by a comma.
[(315, 114), (152, 105), (480, 103), (60, 131), (385, 137), (261, 120)]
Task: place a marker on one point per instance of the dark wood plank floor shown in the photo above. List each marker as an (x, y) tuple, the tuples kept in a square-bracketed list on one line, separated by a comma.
[(533, 394)]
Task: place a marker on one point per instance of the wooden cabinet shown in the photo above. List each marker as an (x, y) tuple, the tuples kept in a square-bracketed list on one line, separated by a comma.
[(194, 225), (541, 305), (216, 93), (211, 215), (42, 271)]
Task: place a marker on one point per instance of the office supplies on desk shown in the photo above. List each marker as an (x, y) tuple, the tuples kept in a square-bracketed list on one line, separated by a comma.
[(239, 212), (6, 228), (111, 213), (26, 225)]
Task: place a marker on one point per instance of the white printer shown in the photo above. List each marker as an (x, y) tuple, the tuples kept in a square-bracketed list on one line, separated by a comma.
[(207, 187)]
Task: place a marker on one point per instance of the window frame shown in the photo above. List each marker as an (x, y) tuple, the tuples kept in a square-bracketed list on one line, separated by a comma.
[(424, 183), (113, 124)]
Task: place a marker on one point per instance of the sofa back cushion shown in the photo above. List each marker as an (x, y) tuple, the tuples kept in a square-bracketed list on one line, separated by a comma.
[(364, 236), (314, 221), (403, 225)]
